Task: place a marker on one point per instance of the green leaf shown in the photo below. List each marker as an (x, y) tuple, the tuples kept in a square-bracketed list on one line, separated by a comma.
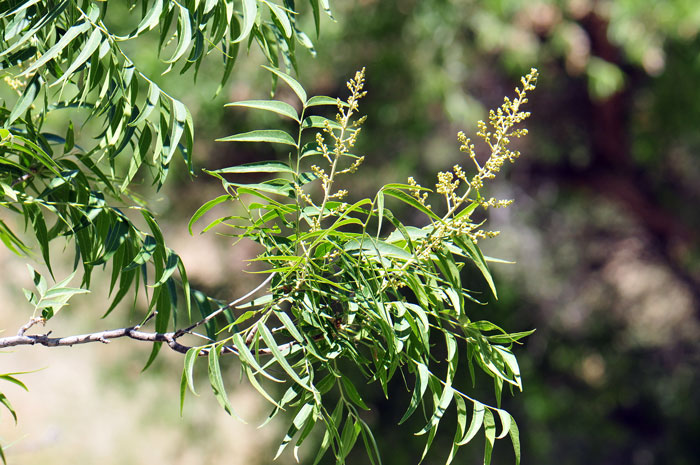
[(475, 425), (217, 382), (188, 367), (205, 208), (280, 358), (348, 437), (422, 375), (89, 48), (515, 439), (317, 16), (150, 19), (258, 167), (281, 17), (26, 99), (262, 135), (289, 325), (465, 243), (53, 52), (274, 106), (250, 11), (461, 427), (5, 401), (10, 378), (187, 375), (151, 102), (147, 250), (179, 116), (370, 444), (247, 357), (300, 418), (490, 433), (410, 200), (320, 100), (505, 422), (184, 34), (440, 409), (70, 138), (319, 122), (352, 393), (296, 87)]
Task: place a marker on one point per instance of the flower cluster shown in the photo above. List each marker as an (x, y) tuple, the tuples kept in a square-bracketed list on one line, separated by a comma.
[(460, 203), (343, 136)]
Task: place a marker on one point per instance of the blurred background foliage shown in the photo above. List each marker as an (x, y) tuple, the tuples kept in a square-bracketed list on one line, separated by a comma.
[(604, 230)]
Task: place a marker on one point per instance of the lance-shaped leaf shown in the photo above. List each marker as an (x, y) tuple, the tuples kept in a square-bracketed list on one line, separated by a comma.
[(89, 48), (205, 208), (293, 83), (54, 51), (422, 375), (280, 358), (258, 167), (250, 11), (26, 99), (475, 425), (217, 382), (263, 135), (275, 106)]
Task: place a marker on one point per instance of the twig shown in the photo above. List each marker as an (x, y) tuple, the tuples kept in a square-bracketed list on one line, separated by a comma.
[(217, 312), (32, 321)]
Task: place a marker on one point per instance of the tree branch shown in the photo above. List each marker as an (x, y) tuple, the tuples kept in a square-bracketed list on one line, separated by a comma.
[(133, 332)]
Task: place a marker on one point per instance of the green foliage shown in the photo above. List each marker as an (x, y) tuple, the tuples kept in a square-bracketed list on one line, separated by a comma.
[(353, 290), (345, 297)]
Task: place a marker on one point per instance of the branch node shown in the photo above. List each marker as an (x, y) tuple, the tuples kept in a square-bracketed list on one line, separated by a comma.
[(32, 321)]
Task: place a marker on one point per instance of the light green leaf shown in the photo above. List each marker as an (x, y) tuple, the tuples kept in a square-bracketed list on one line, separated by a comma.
[(296, 87), (26, 99), (490, 433), (151, 19), (280, 358), (187, 379), (217, 382), (151, 101), (475, 425), (250, 11), (6, 402), (281, 17), (184, 34), (505, 422), (422, 375), (263, 135), (319, 122), (247, 357), (258, 167), (319, 100), (440, 409), (300, 418), (89, 48), (53, 52), (275, 106)]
